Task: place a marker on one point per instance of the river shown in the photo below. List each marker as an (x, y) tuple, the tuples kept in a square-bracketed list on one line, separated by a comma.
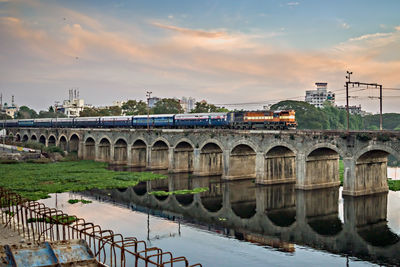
[(239, 223)]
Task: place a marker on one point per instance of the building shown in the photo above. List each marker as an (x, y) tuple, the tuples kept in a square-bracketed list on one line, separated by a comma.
[(355, 110), (188, 104), (9, 110), (153, 101), (320, 95), (73, 106)]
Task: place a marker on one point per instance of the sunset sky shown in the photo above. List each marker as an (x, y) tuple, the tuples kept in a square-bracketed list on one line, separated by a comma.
[(221, 51)]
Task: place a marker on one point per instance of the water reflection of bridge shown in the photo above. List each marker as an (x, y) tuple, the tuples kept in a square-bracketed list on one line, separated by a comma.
[(276, 212)]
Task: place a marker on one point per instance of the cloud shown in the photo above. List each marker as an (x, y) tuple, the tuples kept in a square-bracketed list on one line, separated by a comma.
[(293, 3), (198, 33), (370, 36)]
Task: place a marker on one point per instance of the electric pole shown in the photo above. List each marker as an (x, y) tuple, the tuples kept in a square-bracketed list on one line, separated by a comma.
[(348, 82), (148, 94), (349, 73)]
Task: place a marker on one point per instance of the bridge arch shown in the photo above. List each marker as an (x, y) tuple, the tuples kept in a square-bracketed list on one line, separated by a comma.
[(159, 154), (18, 137), (73, 142), (322, 166), (138, 153), (211, 160), (279, 164), (104, 149), (42, 139), (90, 149), (62, 142), (51, 141), (34, 138), (183, 156), (242, 161), (25, 138), (121, 151)]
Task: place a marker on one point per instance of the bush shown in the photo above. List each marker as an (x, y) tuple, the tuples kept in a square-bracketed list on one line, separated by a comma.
[(383, 138), (54, 149), (34, 145), (363, 137)]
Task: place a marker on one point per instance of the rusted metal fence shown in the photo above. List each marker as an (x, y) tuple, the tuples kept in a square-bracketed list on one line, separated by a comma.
[(37, 223)]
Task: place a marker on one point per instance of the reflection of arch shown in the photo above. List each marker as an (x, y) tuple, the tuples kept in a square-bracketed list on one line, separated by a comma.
[(244, 210), (42, 139), (140, 189), (159, 155), (25, 138), (120, 151), (138, 153), (90, 149), (211, 162), (34, 137), (104, 149), (212, 203), (322, 166), (379, 236), (74, 143), (183, 157), (330, 226), (185, 199), (282, 218), (279, 165), (63, 142), (242, 198), (51, 141), (242, 162)]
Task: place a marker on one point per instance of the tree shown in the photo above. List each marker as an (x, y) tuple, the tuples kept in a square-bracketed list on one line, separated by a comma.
[(26, 113), (49, 114), (101, 112), (133, 107), (167, 106), (204, 107), (51, 109)]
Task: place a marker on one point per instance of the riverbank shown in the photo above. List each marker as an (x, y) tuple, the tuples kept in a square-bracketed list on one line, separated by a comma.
[(35, 181)]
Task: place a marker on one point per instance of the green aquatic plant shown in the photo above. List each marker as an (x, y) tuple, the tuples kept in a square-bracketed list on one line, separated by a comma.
[(83, 201), (179, 192), (36, 181)]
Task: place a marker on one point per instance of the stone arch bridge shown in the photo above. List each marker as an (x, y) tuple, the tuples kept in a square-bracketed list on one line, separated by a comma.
[(310, 159)]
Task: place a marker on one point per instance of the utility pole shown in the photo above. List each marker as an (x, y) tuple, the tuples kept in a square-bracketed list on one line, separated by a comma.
[(148, 94), (349, 73), (358, 85)]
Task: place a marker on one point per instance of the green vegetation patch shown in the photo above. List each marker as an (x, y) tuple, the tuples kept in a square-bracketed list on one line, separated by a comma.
[(56, 219), (83, 201), (36, 181), (394, 185), (179, 192)]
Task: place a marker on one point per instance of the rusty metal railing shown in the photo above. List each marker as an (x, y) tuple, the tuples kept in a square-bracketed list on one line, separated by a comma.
[(36, 223)]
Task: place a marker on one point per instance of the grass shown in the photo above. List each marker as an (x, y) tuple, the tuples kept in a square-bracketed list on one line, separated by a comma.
[(83, 201), (36, 181), (341, 172), (180, 192)]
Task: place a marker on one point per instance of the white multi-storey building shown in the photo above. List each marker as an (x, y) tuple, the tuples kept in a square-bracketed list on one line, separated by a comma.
[(188, 104), (320, 95)]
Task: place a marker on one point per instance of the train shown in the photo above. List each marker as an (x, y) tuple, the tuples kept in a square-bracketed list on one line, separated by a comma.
[(272, 120)]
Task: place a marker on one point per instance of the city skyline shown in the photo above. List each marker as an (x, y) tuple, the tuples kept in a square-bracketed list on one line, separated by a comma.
[(220, 51)]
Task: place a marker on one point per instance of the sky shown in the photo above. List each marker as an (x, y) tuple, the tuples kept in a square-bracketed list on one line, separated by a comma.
[(225, 52)]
